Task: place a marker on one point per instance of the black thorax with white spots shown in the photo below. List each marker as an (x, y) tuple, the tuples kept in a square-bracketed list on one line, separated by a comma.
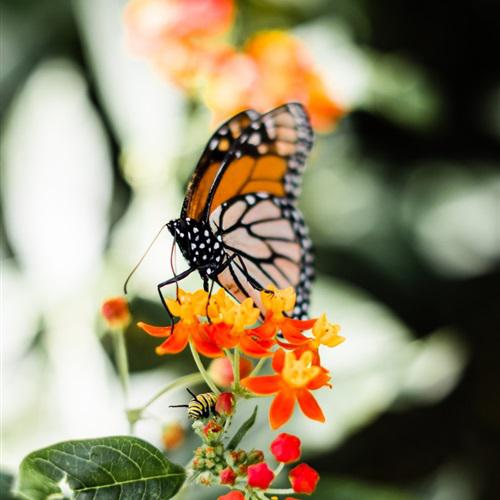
[(199, 245)]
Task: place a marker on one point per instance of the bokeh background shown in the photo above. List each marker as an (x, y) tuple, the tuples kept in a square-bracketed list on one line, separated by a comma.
[(402, 195)]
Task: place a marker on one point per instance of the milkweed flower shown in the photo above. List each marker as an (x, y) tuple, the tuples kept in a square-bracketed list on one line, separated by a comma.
[(232, 495), (187, 307), (221, 370), (303, 479), (294, 380), (324, 333), (260, 476), (173, 436), (286, 448), (116, 313)]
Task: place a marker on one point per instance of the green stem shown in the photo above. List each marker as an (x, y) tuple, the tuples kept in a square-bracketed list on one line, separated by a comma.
[(258, 367), (121, 359), (280, 491), (236, 367), (278, 469), (201, 368)]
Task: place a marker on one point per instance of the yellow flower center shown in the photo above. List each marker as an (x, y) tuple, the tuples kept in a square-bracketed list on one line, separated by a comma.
[(298, 373), (222, 309), (326, 333)]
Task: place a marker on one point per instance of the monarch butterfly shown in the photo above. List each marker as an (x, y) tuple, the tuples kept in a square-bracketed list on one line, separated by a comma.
[(200, 406), (239, 224)]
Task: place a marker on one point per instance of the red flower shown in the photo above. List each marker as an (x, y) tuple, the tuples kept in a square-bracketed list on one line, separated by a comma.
[(227, 476), (116, 313), (294, 380), (232, 495), (260, 476), (303, 479), (225, 403), (286, 448)]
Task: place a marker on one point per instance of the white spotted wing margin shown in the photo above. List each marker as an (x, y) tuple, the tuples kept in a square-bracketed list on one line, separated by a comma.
[(118, 467), (266, 239)]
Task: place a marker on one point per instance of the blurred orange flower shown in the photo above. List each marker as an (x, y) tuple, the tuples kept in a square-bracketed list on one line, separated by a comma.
[(294, 380), (274, 68)]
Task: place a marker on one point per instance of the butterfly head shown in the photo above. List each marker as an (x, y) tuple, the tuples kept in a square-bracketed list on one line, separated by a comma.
[(198, 244)]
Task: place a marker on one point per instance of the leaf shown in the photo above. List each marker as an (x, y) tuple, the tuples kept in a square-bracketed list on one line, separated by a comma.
[(245, 427), (6, 481), (98, 469)]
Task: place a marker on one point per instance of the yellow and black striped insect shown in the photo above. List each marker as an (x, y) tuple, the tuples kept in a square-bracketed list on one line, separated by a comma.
[(200, 406)]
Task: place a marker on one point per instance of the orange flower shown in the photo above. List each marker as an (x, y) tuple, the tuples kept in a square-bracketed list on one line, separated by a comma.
[(295, 378), (274, 68), (116, 313), (229, 321), (324, 333), (188, 307), (150, 24)]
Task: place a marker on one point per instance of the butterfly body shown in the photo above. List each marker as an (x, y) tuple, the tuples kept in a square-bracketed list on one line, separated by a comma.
[(240, 224)]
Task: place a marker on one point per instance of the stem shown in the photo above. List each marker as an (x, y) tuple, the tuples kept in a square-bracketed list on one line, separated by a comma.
[(280, 491), (258, 367), (278, 469), (236, 367), (120, 352), (201, 368), (192, 378)]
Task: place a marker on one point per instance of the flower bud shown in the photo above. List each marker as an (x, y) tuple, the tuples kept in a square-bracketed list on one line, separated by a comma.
[(286, 448), (225, 404), (303, 479), (116, 313), (227, 476), (212, 431), (255, 457), (173, 435), (221, 370), (232, 495), (260, 476)]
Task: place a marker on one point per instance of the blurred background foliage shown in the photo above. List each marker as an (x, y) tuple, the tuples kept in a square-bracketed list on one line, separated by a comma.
[(402, 199)]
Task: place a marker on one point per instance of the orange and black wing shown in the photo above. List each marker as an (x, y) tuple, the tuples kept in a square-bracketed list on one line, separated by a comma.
[(268, 157), (210, 162)]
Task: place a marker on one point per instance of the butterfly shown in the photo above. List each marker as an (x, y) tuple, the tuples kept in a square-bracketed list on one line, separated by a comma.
[(239, 225)]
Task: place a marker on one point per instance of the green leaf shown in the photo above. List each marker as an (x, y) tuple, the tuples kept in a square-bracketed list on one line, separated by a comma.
[(6, 481), (245, 427), (106, 468)]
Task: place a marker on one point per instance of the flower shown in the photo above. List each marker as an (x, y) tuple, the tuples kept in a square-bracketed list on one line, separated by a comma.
[(116, 313), (303, 479), (260, 476), (229, 321), (187, 307), (173, 435), (212, 431), (225, 403), (232, 495), (221, 370), (294, 380), (227, 476), (151, 24), (286, 448), (324, 333), (277, 302)]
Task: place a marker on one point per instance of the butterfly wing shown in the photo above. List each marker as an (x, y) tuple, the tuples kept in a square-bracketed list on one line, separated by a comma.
[(210, 162), (268, 157), (266, 239)]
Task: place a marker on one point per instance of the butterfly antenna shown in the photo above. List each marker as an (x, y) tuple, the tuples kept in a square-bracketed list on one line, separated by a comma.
[(141, 259)]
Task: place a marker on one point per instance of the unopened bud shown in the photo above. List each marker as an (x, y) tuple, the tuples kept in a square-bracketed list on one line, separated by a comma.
[(116, 313)]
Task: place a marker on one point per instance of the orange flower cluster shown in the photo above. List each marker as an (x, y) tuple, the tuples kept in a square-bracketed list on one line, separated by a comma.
[(231, 325), (187, 41)]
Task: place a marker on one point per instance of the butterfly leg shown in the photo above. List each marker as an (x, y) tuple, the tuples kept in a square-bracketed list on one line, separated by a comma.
[(243, 268)]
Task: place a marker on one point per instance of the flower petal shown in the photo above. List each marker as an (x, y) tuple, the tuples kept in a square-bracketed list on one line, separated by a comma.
[(320, 380), (204, 344), (155, 331), (309, 405), (253, 348), (266, 384), (177, 342), (281, 408), (278, 360)]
